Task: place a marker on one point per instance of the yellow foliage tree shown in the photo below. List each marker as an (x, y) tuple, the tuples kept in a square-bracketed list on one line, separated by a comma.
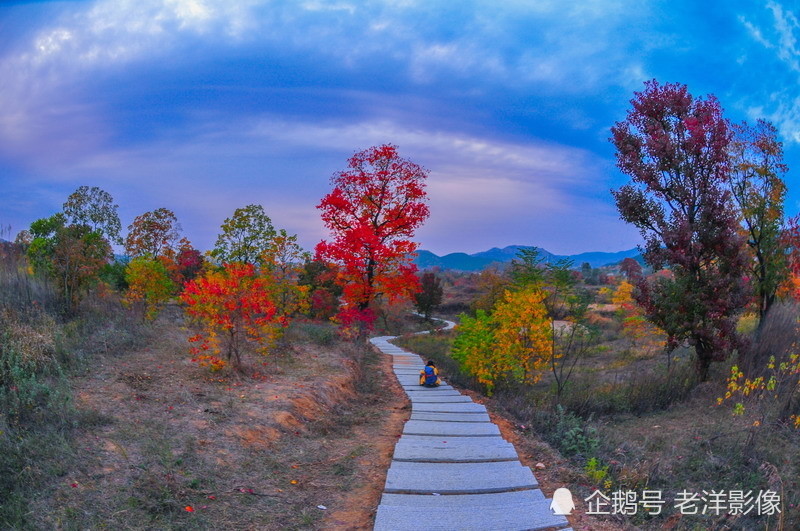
[(511, 344), (282, 262), (635, 327), (623, 295), (149, 286), (523, 332), (474, 348)]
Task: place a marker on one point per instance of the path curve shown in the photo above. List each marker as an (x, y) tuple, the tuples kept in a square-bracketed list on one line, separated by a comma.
[(452, 469)]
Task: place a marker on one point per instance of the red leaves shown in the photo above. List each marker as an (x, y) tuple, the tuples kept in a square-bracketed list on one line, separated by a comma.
[(232, 304), (675, 149), (375, 207)]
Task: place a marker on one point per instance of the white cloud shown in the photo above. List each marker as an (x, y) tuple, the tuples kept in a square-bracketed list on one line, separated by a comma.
[(783, 107), (50, 119), (755, 33), (787, 27)]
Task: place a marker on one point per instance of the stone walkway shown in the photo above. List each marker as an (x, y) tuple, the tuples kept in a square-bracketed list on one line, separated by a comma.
[(451, 469)]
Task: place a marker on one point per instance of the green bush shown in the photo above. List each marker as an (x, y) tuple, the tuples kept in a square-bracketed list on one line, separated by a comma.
[(322, 334), (596, 471), (572, 435)]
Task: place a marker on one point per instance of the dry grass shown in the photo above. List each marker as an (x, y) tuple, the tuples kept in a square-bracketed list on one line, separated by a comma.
[(256, 451)]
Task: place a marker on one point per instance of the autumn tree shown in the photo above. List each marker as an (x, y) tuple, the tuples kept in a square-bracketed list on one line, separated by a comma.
[(233, 306), (155, 233), (521, 337), (623, 296), (189, 262), (674, 147), (149, 286), (71, 256), (759, 191), (631, 269), (323, 291), (475, 349), (375, 207), (96, 209), (283, 260), (570, 337), (524, 332), (430, 295), (790, 242), (245, 236), (512, 344), (635, 327)]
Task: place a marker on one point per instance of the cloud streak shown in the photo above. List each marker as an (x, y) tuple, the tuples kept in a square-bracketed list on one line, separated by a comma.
[(474, 181)]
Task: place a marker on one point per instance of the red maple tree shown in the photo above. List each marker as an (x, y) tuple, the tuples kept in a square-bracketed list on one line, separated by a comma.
[(232, 305), (375, 207)]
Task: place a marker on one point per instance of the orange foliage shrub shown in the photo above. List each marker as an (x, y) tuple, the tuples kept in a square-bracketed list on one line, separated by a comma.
[(232, 305)]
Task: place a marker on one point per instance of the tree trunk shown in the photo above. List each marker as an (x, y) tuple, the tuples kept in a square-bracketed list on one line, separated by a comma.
[(704, 359)]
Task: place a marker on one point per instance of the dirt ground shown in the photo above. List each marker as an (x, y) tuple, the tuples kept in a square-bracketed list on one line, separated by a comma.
[(302, 440)]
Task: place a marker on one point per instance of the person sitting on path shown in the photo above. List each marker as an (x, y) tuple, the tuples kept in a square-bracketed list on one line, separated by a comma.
[(429, 376)]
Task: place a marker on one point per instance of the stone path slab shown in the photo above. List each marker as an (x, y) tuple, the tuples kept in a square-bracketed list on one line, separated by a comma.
[(432, 392), (452, 407), (416, 387), (527, 515), (473, 453), (458, 478), (440, 399), (450, 429), (451, 417), (485, 500), (451, 468), (454, 441)]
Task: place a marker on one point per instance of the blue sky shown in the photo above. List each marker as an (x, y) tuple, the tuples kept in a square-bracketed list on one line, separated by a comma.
[(203, 106)]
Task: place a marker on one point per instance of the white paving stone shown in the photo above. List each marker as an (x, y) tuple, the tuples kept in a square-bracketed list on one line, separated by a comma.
[(440, 399), (464, 407), (517, 517), (450, 429), (458, 478), (464, 500), (451, 417), (454, 453)]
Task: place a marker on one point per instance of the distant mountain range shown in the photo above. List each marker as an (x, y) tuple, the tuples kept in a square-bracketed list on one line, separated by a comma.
[(477, 261)]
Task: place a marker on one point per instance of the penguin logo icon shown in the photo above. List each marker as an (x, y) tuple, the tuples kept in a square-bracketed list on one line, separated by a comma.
[(562, 503)]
